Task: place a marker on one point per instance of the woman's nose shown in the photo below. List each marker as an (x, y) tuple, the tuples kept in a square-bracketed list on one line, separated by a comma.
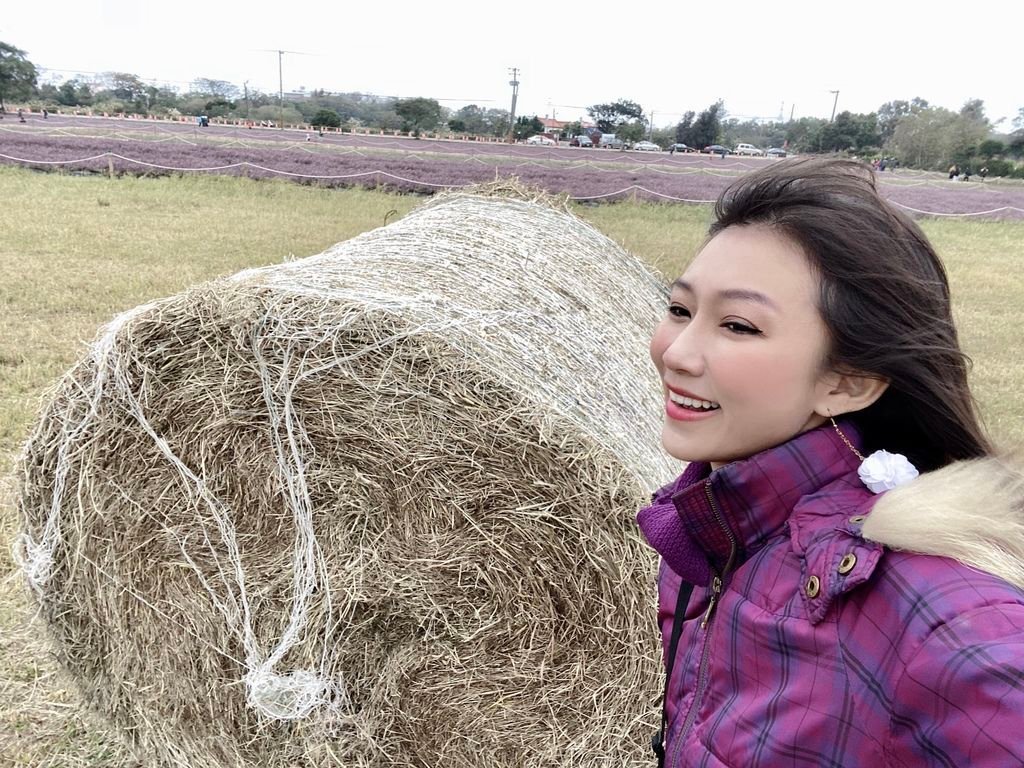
[(684, 352)]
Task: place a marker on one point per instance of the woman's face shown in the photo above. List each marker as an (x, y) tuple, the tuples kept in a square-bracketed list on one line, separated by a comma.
[(741, 349)]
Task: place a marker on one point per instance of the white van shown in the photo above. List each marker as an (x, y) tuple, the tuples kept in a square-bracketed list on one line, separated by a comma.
[(747, 149)]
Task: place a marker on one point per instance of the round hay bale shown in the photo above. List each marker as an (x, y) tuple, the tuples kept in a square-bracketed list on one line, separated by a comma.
[(373, 507)]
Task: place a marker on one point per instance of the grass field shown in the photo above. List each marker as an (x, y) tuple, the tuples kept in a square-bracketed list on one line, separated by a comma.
[(75, 251)]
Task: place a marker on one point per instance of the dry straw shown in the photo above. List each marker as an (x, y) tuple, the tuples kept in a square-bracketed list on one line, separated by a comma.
[(369, 508)]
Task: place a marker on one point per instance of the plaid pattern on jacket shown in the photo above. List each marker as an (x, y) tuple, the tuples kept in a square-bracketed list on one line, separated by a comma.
[(825, 649)]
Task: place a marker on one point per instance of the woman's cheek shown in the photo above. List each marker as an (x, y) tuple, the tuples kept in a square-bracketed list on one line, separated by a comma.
[(660, 341)]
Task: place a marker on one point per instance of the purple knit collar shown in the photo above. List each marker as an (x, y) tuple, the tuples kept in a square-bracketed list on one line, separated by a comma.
[(701, 519)]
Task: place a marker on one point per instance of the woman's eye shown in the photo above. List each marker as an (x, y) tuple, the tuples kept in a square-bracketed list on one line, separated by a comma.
[(677, 310), (741, 328)]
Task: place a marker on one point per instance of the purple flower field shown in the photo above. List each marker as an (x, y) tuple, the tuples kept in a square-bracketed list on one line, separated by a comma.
[(424, 166)]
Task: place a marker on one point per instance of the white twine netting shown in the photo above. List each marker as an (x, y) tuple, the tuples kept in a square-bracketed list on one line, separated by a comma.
[(433, 429)]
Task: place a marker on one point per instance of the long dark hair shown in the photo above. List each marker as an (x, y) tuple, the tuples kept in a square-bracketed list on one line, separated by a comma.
[(884, 298)]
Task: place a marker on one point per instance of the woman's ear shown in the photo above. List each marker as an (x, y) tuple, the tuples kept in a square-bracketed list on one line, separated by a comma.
[(840, 393)]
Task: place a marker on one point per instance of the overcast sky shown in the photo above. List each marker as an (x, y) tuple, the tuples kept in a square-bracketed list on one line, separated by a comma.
[(669, 58)]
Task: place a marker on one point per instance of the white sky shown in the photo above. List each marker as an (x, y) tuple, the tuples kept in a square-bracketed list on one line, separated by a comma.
[(760, 61)]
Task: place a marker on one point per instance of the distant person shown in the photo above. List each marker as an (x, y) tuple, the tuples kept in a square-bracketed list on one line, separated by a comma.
[(21, 115), (983, 172), (46, 114), (954, 171), (966, 175)]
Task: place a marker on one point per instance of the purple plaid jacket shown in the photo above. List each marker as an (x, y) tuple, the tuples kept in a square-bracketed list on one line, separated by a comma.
[(807, 645)]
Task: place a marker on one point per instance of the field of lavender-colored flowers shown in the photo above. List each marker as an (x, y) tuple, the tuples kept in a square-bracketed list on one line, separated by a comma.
[(80, 144)]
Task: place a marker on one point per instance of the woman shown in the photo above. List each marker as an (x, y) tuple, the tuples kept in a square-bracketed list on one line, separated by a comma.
[(814, 329)]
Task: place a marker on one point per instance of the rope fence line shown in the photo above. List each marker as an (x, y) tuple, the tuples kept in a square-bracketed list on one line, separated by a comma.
[(387, 174), (642, 164)]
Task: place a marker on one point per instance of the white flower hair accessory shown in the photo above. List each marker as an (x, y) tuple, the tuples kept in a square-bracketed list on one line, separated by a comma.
[(883, 471)]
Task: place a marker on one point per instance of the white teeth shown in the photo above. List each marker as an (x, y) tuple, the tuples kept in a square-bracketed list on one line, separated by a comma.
[(690, 402)]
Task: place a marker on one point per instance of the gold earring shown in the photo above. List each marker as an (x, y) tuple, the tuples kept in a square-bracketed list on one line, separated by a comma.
[(842, 437)]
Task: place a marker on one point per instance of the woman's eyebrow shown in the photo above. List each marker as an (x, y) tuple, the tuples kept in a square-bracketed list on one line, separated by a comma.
[(742, 294)]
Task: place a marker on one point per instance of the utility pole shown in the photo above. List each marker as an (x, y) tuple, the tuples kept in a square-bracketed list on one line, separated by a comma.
[(791, 108), (245, 89), (280, 91), (514, 82), (650, 130), (834, 102), (280, 81)]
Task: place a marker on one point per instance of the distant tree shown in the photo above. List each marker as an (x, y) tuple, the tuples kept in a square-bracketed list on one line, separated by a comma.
[(456, 125), (326, 118), (67, 94), (215, 107), (804, 134), (850, 131), (974, 109), (18, 75), (610, 116), (663, 137), (933, 138), (164, 99), (220, 88), (418, 114), (274, 114), (707, 126), (472, 119), (684, 129), (47, 92), (890, 113), (526, 127), (575, 128), (1015, 147), (125, 86), (483, 122), (632, 131), (919, 138), (968, 131), (989, 148)]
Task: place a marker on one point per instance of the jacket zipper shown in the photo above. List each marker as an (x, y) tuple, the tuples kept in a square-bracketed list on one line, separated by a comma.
[(717, 584)]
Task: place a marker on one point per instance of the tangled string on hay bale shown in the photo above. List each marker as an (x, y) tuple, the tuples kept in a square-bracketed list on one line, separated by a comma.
[(373, 507)]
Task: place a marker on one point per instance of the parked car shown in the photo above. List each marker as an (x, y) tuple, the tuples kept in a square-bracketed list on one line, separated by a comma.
[(679, 147), (748, 149), (541, 139), (718, 149), (776, 152), (612, 141), (646, 146), (581, 141)]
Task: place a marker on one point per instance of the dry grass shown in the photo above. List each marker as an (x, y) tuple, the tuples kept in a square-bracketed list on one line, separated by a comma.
[(75, 251)]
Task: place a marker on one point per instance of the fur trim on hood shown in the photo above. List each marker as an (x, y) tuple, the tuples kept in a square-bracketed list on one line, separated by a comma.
[(972, 511)]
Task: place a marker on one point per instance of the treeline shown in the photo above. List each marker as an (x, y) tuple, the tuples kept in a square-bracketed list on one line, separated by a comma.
[(127, 93), (916, 133), (124, 93), (913, 132)]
